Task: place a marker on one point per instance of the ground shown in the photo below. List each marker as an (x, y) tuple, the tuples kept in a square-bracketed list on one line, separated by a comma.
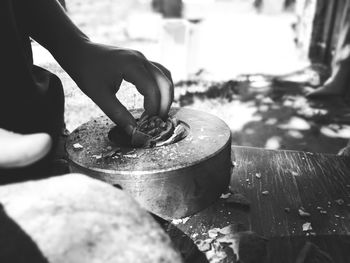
[(240, 55)]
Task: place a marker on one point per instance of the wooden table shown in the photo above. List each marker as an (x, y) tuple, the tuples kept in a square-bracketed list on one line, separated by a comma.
[(316, 182)]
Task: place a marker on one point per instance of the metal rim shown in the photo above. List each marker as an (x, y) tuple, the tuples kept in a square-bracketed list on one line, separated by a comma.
[(204, 129)]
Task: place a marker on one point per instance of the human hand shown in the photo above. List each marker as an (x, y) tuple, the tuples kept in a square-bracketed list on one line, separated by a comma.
[(19, 150), (100, 70)]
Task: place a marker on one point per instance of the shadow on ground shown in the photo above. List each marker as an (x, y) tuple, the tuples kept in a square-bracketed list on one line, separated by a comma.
[(322, 249), (273, 112)]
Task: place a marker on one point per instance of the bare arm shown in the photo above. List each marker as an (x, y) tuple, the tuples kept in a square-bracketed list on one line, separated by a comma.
[(98, 69)]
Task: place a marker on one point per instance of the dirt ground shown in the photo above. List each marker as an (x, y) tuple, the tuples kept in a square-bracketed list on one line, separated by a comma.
[(241, 82)]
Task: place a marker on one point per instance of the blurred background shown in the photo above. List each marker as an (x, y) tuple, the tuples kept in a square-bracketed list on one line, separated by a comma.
[(246, 61)]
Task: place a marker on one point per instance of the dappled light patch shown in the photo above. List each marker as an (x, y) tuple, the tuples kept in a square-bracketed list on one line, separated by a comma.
[(249, 131), (336, 131), (295, 123), (263, 108), (260, 84), (273, 143), (275, 117), (295, 134), (236, 113), (271, 121)]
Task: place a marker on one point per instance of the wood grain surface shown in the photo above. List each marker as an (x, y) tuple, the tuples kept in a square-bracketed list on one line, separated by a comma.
[(317, 183)]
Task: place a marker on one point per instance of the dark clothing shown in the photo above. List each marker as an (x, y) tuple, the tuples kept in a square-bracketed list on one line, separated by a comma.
[(342, 55), (31, 98)]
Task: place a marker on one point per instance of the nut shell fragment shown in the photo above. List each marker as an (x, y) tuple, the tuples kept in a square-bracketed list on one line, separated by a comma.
[(153, 131)]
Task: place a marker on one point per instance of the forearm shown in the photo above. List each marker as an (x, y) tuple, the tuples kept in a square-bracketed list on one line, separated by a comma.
[(98, 69), (49, 25)]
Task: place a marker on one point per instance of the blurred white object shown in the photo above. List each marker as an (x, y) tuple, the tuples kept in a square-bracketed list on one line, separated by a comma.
[(179, 47), (197, 9), (272, 7), (305, 11), (145, 26)]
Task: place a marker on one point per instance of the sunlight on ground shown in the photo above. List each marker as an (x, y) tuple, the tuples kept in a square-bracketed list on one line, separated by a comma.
[(336, 131), (236, 113), (273, 143), (295, 123)]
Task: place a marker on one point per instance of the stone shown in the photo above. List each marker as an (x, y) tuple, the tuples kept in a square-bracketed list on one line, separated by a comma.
[(213, 233), (203, 245), (77, 146), (307, 227), (74, 218), (225, 195)]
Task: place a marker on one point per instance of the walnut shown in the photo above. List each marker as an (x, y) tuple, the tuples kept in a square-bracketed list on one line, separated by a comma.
[(153, 131)]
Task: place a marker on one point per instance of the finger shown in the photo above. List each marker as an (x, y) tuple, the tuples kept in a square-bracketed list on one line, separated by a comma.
[(164, 70), (166, 89), (146, 84), (19, 150), (116, 111), (167, 73)]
